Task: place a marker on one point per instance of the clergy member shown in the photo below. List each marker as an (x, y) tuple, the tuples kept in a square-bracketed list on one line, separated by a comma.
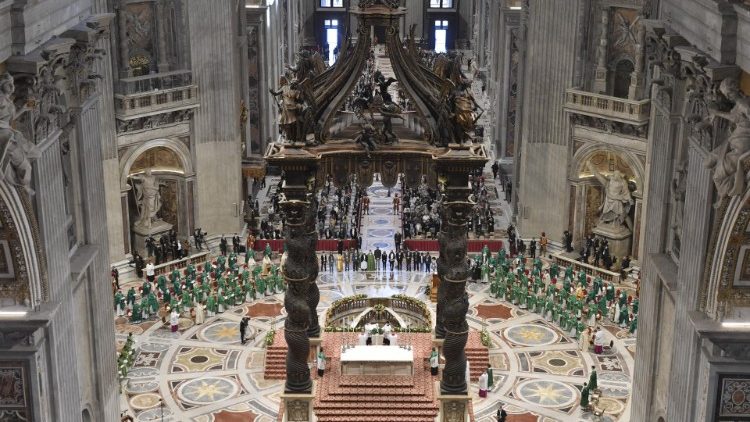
[(483, 384), (174, 320), (321, 362), (434, 362)]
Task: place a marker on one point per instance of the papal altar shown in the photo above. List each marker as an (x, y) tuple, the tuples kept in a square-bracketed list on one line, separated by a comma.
[(377, 360)]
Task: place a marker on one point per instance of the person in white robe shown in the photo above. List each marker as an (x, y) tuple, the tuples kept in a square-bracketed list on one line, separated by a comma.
[(387, 329), (174, 320), (483, 381), (200, 315), (585, 339), (599, 341)]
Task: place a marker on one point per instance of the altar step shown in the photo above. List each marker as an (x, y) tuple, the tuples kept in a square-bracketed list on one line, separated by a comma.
[(477, 354), (354, 398), (275, 361)]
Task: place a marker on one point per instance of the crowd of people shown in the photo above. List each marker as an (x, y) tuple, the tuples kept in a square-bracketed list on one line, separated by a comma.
[(354, 259), (575, 302), (421, 217), (595, 251), (202, 291), (167, 248), (339, 209)]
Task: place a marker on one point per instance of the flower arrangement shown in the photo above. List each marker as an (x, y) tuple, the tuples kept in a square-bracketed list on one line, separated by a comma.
[(485, 338), (379, 308), (270, 335)]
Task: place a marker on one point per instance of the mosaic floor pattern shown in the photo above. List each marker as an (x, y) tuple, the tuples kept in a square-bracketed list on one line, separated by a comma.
[(202, 373)]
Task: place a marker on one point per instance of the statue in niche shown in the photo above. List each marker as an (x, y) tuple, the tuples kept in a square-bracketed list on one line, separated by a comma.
[(148, 198), (617, 198), (724, 161), (16, 152)]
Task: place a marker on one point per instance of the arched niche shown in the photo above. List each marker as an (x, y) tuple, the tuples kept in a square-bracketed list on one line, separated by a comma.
[(23, 274), (587, 194), (170, 161), (726, 293)]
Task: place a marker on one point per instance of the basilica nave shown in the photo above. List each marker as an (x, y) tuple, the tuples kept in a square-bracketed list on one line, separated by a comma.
[(350, 210)]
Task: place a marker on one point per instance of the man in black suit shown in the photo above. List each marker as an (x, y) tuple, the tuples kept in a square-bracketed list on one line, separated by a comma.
[(377, 258), (236, 243), (223, 245), (501, 414)]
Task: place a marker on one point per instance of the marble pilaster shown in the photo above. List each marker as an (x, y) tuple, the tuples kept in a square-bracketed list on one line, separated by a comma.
[(216, 124), (696, 232), (649, 326), (551, 43)]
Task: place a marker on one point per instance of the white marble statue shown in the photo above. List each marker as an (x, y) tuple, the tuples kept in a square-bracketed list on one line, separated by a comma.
[(617, 198), (724, 161), (148, 198), (16, 152)]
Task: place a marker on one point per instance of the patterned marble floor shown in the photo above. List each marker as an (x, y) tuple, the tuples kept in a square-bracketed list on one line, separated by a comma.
[(202, 373)]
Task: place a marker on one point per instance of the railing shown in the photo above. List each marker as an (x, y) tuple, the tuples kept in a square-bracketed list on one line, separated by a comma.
[(155, 101), (629, 111), (157, 81), (591, 270)]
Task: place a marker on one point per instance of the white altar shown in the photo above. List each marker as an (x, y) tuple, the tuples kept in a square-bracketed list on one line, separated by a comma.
[(377, 360)]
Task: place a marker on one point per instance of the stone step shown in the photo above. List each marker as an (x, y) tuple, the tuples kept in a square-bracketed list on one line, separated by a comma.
[(381, 412), (360, 418)]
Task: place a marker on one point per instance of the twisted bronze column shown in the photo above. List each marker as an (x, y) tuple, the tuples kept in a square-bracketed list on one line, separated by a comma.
[(453, 169), (313, 294), (300, 272), (298, 206), (455, 302)]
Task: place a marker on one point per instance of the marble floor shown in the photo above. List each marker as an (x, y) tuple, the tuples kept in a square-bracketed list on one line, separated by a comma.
[(202, 373)]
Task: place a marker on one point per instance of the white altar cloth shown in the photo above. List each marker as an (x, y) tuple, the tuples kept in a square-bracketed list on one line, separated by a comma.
[(377, 360)]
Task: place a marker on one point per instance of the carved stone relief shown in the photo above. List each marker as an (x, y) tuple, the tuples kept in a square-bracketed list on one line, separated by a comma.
[(151, 122), (299, 410), (14, 391)]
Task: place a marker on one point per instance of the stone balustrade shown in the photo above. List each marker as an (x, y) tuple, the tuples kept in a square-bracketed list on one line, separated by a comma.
[(593, 271), (157, 101), (156, 81), (634, 112)]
